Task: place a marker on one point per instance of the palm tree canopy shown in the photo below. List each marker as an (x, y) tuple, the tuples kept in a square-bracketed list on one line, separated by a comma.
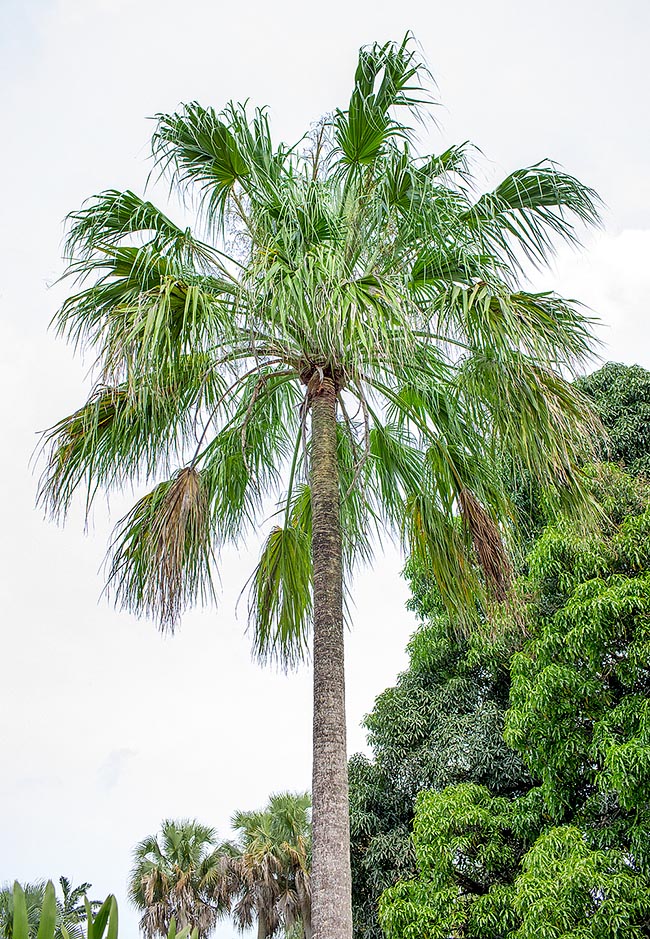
[(348, 257), (267, 877), (282, 827), (169, 878)]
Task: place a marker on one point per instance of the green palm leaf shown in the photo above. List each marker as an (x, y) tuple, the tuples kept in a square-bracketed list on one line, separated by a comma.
[(281, 588), (529, 208), (387, 76), (197, 146), (397, 282)]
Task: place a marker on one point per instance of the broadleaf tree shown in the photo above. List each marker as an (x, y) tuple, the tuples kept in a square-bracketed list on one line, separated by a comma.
[(566, 854), (442, 723), (345, 331), (621, 395)]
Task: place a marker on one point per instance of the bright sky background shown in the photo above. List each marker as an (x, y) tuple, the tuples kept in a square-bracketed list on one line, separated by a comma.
[(106, 728)]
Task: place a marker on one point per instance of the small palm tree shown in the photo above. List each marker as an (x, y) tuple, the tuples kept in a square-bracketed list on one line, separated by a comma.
[(71, 910), (348, 335), (267, 877), (170, 876), (34, 895), (72, 907)]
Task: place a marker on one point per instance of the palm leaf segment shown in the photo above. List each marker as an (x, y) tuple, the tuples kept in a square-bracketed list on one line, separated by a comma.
[(346, 257)]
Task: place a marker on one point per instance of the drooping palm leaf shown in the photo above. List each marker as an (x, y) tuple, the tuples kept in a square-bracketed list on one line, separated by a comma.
[(528, 208)]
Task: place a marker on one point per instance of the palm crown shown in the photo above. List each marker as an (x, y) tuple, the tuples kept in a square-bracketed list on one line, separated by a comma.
[(268, 872), (348, 256), (170, 878)]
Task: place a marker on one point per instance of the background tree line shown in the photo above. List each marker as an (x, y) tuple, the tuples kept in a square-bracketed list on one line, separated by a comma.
[(186, 878), (509, 791), (261, 879)]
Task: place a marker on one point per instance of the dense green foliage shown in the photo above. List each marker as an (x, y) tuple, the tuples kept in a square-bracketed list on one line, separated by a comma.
[(46, 913), (569, 857), (442, 724), (621, 394), (71, 908)]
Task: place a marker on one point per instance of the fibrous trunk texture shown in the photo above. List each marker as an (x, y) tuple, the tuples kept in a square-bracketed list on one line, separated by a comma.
[(331, 879)]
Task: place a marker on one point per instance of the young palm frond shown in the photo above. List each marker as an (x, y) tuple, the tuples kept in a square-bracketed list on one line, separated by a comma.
[(387, 77)]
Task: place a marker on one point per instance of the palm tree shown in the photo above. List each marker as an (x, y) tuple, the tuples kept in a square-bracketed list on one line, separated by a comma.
[(71, 910), (170, 875), (349, 336), (267, 877), (34, 895)]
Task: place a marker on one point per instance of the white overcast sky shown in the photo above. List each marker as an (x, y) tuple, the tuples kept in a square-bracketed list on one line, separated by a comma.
[(106, 728)]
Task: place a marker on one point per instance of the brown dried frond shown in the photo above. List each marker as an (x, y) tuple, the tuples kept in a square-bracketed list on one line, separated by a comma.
[(489, 548), (179, 527)]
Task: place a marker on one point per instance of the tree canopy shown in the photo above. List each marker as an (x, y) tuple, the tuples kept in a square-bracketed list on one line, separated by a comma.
[(568, 856), (441, 724), (170, 879), (546, 782), (621, 394), (267, 878), (189, 878), (349, 254)]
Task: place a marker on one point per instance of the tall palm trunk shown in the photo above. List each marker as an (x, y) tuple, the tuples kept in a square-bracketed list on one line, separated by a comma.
[(331, 878)]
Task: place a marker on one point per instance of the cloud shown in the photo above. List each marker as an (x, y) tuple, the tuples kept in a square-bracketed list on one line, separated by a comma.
[(108, 774), (611, 276)]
